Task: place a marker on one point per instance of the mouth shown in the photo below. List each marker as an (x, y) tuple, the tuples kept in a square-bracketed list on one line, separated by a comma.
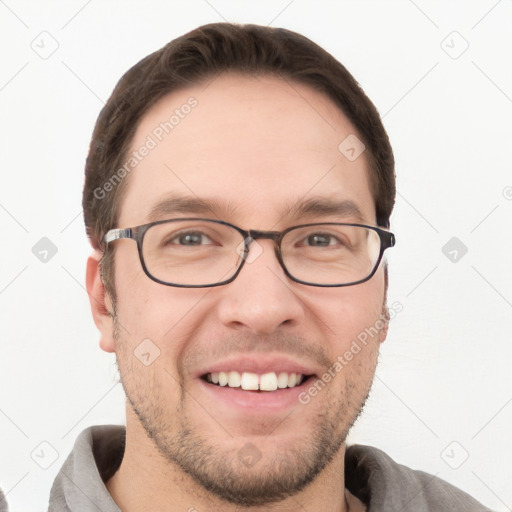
[(250, 385), (248, 381)]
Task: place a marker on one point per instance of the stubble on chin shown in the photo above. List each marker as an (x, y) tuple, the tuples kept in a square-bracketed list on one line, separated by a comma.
[(218, 469)]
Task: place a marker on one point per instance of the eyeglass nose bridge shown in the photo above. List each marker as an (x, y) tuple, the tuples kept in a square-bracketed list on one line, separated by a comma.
[(255, 234)]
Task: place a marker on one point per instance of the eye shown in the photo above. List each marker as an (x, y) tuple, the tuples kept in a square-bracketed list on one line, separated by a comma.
[(189, 238), (320, 240)]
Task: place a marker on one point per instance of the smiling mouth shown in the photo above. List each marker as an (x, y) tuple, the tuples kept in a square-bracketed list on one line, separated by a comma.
[(248, 381)]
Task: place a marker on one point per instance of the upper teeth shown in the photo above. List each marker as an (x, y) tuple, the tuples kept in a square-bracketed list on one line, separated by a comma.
[(252, 381)]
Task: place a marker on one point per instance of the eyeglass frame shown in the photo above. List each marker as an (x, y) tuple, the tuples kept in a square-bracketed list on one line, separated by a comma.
[(387, 240)]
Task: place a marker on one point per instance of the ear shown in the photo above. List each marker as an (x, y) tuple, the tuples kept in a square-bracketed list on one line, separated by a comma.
[(385, 310), (101, 305), (384, 331)]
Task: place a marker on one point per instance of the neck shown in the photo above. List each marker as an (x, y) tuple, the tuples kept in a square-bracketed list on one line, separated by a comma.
[(148, 481)]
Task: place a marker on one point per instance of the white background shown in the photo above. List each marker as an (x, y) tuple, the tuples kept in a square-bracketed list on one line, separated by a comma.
[(444, 374)]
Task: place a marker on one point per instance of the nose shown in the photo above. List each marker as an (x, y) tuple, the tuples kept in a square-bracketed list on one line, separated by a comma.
[(262, 299)]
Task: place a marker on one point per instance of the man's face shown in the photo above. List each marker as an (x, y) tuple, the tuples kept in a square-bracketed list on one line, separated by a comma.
[(254, 148)]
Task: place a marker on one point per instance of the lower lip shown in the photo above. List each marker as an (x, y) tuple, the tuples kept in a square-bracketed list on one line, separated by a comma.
[(255, 401)]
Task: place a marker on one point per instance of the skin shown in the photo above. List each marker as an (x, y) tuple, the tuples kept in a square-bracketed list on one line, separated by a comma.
[(255, 144)]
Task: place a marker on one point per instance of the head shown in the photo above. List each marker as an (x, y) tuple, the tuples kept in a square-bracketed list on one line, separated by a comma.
[(247, 121)]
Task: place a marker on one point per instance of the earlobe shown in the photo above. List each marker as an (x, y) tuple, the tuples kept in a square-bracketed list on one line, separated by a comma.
[(385, 310), (384, 331), (101, 305)]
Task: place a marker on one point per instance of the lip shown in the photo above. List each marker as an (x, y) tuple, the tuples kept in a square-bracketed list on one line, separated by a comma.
[(259, 364), (254, 403)]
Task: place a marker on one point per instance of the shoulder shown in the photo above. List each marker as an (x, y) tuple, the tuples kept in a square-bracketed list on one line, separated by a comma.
[(95, 457), (385, 485), (3, 502)]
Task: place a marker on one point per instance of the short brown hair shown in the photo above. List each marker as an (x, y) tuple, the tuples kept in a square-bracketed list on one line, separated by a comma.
[(202, 54)]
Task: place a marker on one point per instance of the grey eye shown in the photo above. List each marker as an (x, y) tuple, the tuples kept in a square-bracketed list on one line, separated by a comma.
[(189, 238), (320, 240)]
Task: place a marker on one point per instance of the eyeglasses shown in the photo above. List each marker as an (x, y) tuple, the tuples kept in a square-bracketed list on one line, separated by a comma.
[(200, 253)]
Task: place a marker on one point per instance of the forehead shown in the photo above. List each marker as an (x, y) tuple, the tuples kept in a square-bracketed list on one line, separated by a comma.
[(250, 147)]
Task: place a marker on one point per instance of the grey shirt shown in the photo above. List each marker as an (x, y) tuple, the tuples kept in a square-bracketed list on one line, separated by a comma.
[(372, 476), (3, 502)]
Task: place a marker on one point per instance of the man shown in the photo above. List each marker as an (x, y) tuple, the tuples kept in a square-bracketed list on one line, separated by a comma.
[(238, 193)]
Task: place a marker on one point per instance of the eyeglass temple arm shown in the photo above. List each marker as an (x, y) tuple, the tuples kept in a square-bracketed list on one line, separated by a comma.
[(390, 239), (116, 234)]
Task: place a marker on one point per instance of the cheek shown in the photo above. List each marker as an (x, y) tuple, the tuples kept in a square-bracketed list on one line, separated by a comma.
[(156, 315), (145, 307), (361, 353), (352, 311)]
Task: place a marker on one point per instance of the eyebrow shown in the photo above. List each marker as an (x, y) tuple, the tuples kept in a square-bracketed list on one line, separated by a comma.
[(323, 207), (312, 208), (186, 205)]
